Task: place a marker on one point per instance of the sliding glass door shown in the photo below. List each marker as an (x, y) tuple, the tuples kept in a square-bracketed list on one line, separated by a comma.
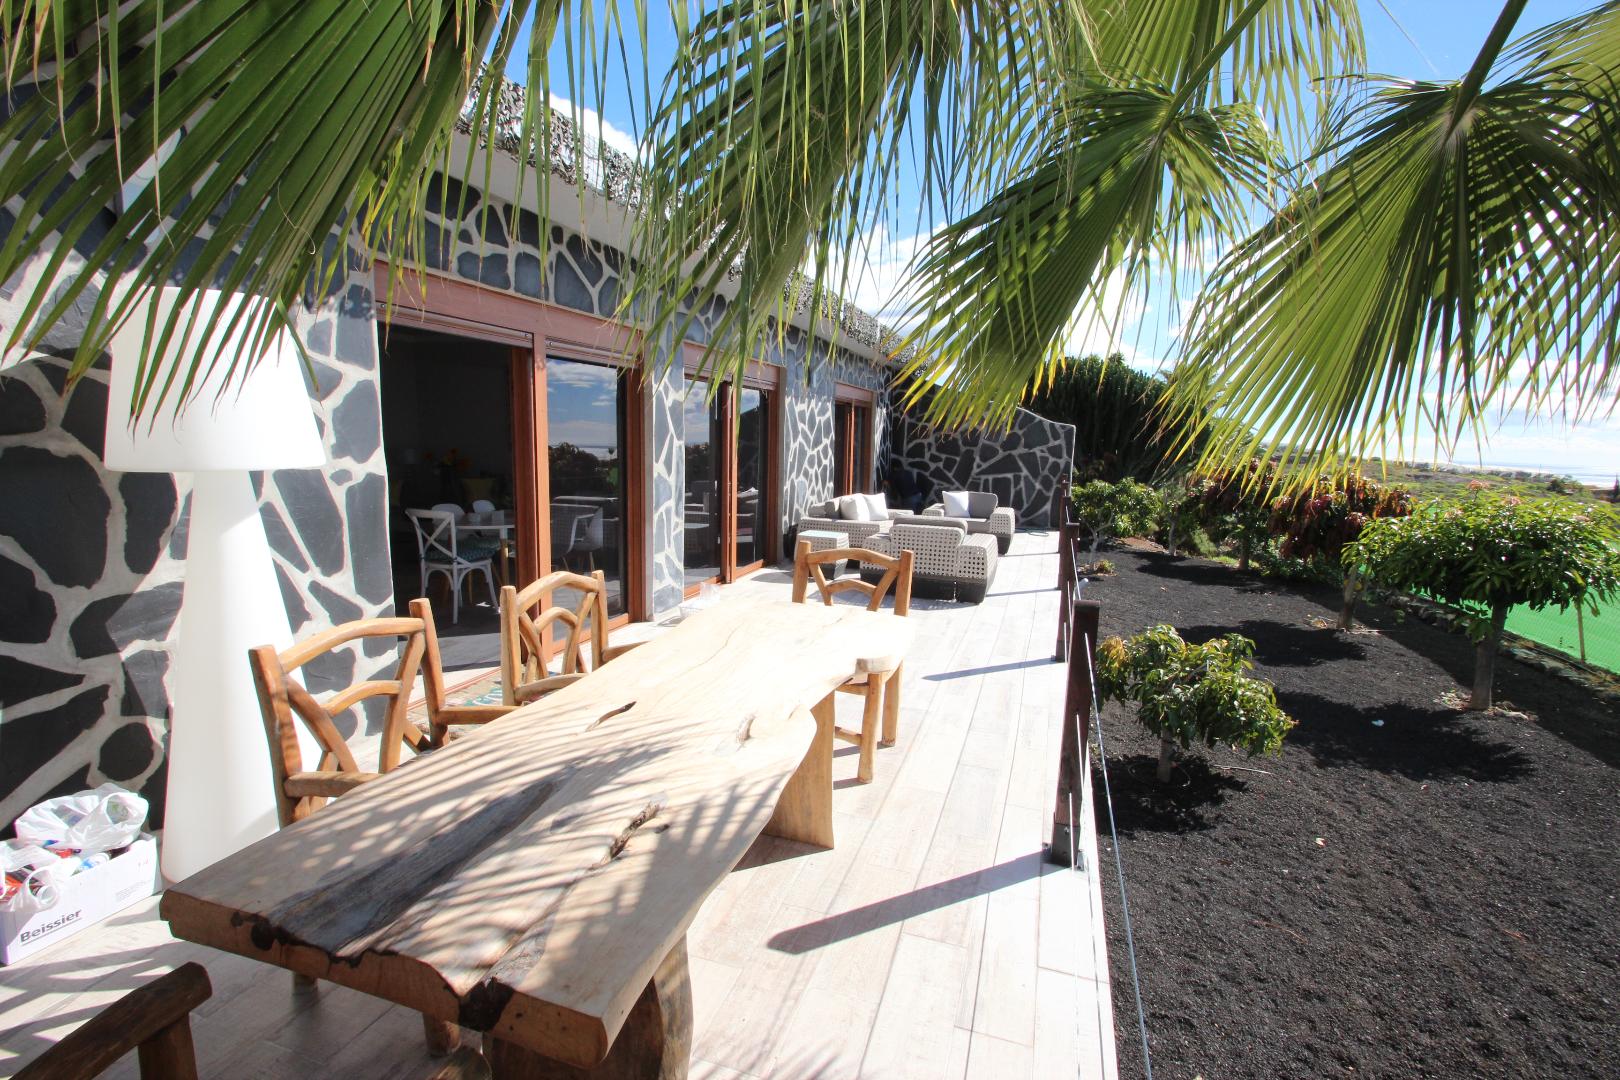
[(587, 455), (705, 440), (753, 479), (729, 480)]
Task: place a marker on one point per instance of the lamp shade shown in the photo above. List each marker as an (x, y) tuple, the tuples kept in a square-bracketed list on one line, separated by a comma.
[(261, 421)]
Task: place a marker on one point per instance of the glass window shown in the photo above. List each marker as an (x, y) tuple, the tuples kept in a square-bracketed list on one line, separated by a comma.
[(753, 474), (704, 436), (841, 447), (587, 410)]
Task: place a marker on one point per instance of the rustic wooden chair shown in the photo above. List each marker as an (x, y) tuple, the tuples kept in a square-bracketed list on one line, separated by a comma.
[(880, 689), (284, 702), (525, 677), (153, 1020)]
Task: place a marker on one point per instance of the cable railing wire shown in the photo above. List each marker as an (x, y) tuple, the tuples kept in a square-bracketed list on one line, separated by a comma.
[(1119, 870)]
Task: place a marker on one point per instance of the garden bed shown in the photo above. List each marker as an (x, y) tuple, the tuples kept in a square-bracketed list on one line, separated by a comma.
[(1430, 896)]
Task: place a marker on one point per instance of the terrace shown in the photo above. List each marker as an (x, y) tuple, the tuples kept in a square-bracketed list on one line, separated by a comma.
[(933, 940)]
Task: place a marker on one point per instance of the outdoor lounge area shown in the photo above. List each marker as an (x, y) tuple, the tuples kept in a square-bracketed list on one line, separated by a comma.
[(933, 939), (810, 541)]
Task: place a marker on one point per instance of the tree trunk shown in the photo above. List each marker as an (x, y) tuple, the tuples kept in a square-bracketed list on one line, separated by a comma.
[(1167, 756), (1352, 592), (1172, 539), (1243, 553), (1485, 662)]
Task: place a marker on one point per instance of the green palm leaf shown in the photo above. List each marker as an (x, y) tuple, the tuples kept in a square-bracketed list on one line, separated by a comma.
[(1459, 254), (275, 125), (1133, 174), (782, 131)]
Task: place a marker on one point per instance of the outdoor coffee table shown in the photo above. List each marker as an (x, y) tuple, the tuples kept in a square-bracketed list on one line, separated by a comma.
[(535, 879)]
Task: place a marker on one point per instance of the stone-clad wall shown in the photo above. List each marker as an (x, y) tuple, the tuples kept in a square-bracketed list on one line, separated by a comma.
[(92, 561), (1027, 466), (487, 240)]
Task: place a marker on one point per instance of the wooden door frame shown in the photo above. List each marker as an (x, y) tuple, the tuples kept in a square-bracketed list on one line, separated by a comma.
[(759, 376), (437, 302), (864, 406)]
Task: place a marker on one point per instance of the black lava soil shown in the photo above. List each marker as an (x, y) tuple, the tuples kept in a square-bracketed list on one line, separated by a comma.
[(1429, 896)]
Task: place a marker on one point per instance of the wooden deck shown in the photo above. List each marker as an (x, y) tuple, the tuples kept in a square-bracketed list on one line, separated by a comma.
[(933, 941)]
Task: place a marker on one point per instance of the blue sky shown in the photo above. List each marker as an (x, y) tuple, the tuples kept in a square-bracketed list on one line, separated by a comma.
[(1405, 38)]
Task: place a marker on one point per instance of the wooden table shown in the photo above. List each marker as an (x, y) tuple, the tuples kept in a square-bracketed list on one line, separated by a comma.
[(535, 879)]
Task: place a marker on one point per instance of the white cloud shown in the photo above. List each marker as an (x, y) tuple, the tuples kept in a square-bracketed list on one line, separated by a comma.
[(592, 126)]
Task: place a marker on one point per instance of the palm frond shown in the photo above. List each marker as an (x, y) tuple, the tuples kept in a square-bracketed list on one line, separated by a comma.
[(272, 126), (782, 131), (1459, 256)]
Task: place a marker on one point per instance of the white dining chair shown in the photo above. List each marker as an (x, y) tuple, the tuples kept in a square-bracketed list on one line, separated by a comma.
[(441, 550), (483, 506)]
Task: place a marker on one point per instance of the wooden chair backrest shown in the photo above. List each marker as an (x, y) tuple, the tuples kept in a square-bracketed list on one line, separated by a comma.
[(807, 567), (154, 1020), (525, 615), (284, 702)]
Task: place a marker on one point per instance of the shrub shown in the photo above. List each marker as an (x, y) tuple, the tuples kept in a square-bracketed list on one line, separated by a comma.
[(1318, 523), (1179, 517), (1192, 693), (1109, 510), (1234, 504), (1487, 554)]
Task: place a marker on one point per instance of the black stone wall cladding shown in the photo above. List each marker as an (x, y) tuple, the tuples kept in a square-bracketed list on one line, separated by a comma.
[(92, 561), (1028, 466)]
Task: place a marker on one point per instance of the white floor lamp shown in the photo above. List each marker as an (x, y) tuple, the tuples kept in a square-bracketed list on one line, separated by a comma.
[(219, 790)]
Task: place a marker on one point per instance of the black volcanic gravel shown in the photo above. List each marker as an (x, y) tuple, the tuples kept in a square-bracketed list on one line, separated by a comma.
[(1432, 896)]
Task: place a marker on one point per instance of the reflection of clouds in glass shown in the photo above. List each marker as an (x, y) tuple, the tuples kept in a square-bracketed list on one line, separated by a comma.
[(586, 433), (575, 373)]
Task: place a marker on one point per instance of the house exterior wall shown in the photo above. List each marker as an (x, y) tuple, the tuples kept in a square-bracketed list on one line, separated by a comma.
[(92, 562), (479, 238)]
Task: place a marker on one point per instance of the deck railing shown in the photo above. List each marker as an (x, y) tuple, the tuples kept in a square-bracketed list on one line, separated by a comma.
[(1078, 620)]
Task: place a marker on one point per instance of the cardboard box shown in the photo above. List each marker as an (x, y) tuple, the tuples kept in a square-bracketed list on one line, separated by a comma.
[(87, 897)]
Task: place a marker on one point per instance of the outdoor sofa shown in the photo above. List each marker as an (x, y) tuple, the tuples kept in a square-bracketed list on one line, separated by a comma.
[(984, 515), (950, 563)]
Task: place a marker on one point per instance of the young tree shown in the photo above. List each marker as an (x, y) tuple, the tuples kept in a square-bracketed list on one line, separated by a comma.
[(1235, 504), (1488, 554), (1192, 693), (1111, 510), (1321, 521)]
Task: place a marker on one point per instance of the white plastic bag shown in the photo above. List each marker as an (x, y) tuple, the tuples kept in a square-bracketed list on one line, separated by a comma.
[(91, 821), (30, 876)]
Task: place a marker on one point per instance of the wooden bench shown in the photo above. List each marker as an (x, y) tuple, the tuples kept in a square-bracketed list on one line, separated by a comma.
[(535, 879)]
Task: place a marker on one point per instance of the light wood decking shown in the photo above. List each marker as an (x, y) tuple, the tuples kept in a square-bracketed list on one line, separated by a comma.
[(933, 941)]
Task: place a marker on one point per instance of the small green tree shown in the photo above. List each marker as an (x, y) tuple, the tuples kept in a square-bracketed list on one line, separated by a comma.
[(1178, 512), (1318, 523), (1488, 554), (1235, 504), (1192, 693), (1127, 508)]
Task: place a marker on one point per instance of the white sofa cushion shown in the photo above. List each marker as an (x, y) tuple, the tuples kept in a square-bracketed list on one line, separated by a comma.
[(854, 508), (956, 504), (877, 505)]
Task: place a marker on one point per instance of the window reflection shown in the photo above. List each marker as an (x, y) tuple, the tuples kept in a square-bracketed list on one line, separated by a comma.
[(753, 461), (586, 416), (704, 436)]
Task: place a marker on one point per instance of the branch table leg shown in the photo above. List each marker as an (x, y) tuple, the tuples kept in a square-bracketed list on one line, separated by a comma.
[(654, 1044), (804, 812)]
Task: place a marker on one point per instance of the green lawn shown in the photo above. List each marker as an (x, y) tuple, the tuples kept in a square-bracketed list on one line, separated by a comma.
[(1558, 629)]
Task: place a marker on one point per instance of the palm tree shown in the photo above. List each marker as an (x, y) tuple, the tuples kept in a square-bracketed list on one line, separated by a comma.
[(1457, 252), (1065, 146), (1085, 133), (270, 129)]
